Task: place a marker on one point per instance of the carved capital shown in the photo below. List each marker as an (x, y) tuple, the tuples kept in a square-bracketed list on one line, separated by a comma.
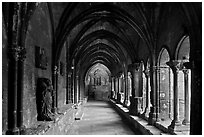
[(175, 65), (188, 65), (22, 54), (185, 71), (135, 66), (119, 74), (130, 75), (15, 53), (147, 73)]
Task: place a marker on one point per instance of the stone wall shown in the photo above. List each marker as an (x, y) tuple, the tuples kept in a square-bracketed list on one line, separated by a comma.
[(62, 79), (64, 125), (38, 34)]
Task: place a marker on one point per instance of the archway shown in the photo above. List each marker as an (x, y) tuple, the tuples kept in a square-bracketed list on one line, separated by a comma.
[(182, 54), (97, 82), (165, 87)]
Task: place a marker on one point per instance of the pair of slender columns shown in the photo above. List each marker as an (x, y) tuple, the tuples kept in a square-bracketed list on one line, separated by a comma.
[(16, 56), (119, 87), (15, 89), (154, 95), (176, 66)]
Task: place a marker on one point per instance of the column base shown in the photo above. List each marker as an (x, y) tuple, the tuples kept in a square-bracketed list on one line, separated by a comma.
[(22, 129), (14, 131), (186, 122), (112, 95), (145, 115), (152, 116), (125, 103), (54, 110), (118, 100), (135, 106), (175, 126)]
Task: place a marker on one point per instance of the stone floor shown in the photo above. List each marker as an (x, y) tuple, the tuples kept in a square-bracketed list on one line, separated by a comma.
[(99, 118)]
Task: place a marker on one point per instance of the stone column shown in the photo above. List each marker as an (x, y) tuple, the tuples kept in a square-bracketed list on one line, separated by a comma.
[(135, 99), (73, 85), (114, 84), (147, 108), (186, 120), (175, 65), (15, 32), (118, 92), (13, 55), (112, 88), (69, 89), (20, 89), (153, 95), (126, 89), (157, 69), (76, 89), (54, 93)]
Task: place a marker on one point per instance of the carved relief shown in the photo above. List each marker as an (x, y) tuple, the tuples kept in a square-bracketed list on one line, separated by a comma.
[(44, 99), (41, 60)]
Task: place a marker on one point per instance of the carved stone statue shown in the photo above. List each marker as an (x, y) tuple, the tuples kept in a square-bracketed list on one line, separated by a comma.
[(44, 99)]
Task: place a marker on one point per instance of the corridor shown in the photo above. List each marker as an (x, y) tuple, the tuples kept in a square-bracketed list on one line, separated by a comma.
[(100, 119), (144, 58)]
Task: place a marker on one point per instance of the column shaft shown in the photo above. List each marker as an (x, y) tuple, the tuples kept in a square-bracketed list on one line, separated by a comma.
[(153, 95), (12, 91), (147, 108), (126, 89), (20, 89), (175, 66), (186, 120)]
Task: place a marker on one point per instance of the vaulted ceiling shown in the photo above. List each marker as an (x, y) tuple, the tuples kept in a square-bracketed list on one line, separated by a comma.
[(115, 33), (107, 33)]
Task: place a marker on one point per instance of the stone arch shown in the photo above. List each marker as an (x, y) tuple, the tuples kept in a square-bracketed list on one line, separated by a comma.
[(183, 55), (183, 49), (165, 85)]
